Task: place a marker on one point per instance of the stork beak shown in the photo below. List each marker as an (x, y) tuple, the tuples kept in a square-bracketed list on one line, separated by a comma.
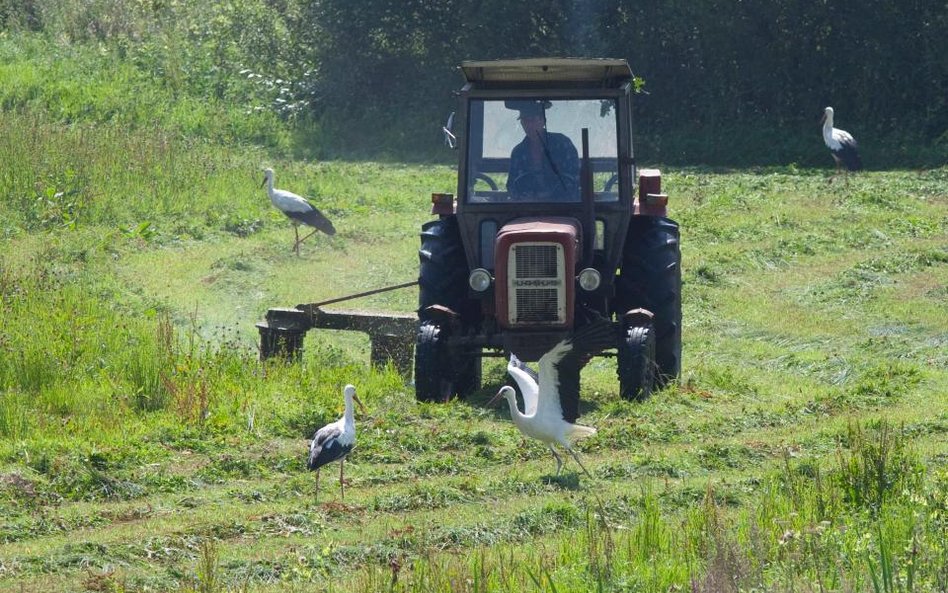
[(356, 399), (264, 182), (494, 399), (823, 118)]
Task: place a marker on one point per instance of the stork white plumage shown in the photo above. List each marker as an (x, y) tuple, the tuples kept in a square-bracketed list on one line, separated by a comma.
[(527, 380), (298, 209), (335, 440), (543, 417), (842, 145)]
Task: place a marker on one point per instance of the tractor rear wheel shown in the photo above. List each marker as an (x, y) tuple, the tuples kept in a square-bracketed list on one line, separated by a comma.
[(650, 278), (635, 363), (442, 280), (442, 277)]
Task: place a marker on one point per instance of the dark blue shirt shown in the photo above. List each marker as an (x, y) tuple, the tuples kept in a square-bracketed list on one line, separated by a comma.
[(556, 178)]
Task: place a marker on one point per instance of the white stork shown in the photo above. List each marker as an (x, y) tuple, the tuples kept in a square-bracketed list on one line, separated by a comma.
[(298, 209), (841, 143), (544, 417), (335, 440)]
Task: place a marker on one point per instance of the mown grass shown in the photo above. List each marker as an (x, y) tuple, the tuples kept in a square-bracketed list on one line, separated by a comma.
[(143, 447)]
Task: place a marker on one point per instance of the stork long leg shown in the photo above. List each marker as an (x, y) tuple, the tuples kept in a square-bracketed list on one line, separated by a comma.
[(317, 486), (342, 483), (559, 461), (296, 244), (308, 236), (576, 457), (836, 174)]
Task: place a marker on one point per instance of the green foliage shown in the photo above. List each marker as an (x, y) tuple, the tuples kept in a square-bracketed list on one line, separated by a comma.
[(163, 72), (746, 88), (373, 78), (84, 336), (60, 178)]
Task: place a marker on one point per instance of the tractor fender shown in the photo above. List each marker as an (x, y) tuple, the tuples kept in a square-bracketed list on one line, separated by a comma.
[(635, 317), (440, 313)]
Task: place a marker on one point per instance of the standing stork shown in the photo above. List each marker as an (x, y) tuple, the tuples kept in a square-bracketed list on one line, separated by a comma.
[(335, 440), (841, 143), (543, 417), (298, 209)]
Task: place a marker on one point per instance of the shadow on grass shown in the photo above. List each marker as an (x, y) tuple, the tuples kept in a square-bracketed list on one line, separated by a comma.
[(568, 481)]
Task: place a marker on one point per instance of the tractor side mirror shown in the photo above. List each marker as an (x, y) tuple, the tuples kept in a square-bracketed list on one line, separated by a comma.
[(450, 139)]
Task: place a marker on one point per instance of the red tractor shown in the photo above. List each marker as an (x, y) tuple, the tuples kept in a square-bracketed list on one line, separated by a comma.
[(552, 227)]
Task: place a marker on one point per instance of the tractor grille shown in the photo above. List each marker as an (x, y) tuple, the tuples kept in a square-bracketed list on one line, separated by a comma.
[(536, 261), (536, 286), (536, 305)]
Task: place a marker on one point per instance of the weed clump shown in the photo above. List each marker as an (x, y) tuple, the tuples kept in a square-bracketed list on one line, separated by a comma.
[(877, 467)]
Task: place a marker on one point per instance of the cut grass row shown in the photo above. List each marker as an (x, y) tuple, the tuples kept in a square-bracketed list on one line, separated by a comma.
[(789, 502), (143, 446)]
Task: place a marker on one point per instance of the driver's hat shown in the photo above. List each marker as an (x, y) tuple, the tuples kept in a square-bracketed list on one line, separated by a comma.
[(529, 107)]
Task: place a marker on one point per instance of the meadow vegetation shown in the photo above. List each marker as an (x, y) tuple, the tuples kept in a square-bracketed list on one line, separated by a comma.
[(144, 447)]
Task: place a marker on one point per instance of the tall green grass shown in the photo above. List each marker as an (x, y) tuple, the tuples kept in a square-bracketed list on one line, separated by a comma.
[(78, 357), (87, 84)]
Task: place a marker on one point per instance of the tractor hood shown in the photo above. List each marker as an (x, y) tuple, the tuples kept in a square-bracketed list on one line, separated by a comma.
[(535, 268), (542, 228)]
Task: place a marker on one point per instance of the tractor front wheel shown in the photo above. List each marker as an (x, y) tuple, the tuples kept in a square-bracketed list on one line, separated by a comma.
[(635, 363), (440, 372)]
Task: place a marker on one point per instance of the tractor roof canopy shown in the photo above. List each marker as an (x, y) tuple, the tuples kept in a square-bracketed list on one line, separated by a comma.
[(602, 70)]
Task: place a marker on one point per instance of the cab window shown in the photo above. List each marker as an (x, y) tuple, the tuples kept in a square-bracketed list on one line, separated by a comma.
[(528, 150)]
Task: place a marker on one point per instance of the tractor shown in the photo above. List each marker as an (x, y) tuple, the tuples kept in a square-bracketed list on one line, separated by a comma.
[(548, 232)]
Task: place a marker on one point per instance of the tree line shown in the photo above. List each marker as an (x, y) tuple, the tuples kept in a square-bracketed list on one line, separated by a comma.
[(384, 70), (707, 64)]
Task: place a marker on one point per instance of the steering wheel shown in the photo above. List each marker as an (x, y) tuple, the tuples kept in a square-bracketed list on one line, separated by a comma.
[(486, 179), (527, 182), (612, 181)]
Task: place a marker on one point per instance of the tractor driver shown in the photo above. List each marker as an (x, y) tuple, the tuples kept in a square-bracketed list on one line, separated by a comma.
[(545, 165)]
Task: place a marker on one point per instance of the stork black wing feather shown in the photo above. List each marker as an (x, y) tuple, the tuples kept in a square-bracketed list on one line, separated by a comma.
[(325, 447), (315, 219), (587, 342), (848, 154)]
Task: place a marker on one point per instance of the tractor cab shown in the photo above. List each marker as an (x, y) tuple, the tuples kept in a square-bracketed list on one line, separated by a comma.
[(535, 133), (528, 150)]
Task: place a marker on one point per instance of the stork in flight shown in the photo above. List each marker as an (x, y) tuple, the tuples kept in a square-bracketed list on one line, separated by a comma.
[(335, 440), (298, 209), (841, 143), (543, 417)]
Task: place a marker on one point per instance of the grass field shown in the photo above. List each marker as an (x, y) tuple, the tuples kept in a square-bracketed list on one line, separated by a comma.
[(144, 448)]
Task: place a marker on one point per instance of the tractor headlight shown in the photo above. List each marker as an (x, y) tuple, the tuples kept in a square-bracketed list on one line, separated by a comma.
[(589, 279), (479, 280)]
